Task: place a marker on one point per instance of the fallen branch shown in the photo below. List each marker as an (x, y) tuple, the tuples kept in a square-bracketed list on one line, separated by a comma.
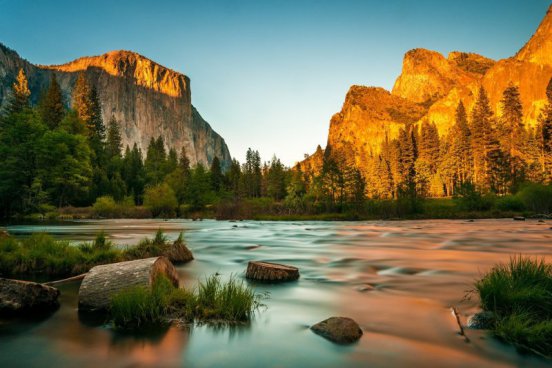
[(69, 279), (461, 328)]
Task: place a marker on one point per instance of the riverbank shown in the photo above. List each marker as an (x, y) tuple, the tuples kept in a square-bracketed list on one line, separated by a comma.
[(268, 210)]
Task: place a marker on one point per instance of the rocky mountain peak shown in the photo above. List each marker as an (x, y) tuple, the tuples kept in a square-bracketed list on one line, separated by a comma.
[(129, 64), (539, 48)]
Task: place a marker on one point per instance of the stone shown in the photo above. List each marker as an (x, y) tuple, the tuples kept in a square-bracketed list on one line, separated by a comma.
[(272, 272), (20, 297), (483, 320), (341, 330), (179, 252), (102, 282), (519, 218)]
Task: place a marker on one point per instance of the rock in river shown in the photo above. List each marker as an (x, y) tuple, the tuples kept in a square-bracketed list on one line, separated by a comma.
[(18, 297), (483, 320), (274, 272), (341, 330)]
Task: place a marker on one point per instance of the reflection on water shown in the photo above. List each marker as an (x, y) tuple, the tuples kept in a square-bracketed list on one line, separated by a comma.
[(397, 279)]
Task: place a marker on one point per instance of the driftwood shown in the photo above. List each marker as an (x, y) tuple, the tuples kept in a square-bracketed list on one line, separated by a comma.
[(64, 281), (265, 271), (102, 282), (461, 331)]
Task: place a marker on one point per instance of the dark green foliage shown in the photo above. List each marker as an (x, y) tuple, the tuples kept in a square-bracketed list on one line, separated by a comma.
[(150, 247), (161, 200), (467, 198), (51, 107), (217, 178), (520, 295), (536, 197)]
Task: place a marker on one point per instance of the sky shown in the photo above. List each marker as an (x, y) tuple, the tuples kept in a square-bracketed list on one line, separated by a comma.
[(269, 74)]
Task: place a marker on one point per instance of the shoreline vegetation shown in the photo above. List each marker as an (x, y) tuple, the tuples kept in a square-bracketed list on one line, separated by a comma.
[(519, 296), (531, 201), (41, 256)]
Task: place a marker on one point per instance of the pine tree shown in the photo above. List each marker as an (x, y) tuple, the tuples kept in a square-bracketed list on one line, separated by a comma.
[(457, 167), (513, 133), (407, 159), (545, 132), (114, 140), (51, 106), (481, 138), (217, 178), (82, 103), (20, 98), (184, 161)]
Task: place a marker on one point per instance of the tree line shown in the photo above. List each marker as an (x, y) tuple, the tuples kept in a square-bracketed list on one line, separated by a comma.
[(55, 156)]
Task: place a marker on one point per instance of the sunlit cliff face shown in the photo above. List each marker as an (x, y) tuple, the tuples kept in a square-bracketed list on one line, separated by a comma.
[(431, 86), (127, 64)]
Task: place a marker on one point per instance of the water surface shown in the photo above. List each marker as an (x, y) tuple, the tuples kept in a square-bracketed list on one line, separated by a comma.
[(398, 280)]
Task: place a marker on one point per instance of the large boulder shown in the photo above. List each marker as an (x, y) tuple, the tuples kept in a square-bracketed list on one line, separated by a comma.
[(271, 272), (19, 297), (102, 282), (341, 330)]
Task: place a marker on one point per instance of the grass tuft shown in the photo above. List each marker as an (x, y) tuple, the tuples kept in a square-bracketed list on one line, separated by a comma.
[(519, 293), (211, 301)]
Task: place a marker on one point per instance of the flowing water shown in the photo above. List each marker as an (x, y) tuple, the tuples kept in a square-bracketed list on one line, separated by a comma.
[(398, 280)]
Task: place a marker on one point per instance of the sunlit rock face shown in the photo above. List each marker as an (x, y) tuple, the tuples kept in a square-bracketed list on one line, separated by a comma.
[(369, 116), (431, 86), (147, 99)]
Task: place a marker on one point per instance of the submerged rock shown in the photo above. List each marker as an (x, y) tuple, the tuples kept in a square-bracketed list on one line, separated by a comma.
[(341, 330), (483, 320), (265, 271), (17, 297), (519, 218)]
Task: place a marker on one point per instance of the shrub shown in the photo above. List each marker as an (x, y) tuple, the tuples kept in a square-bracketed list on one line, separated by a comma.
[(536, 197), (160, 200), (520, 295), (510, 203), (467, 198), (149, 247), (106, 207)]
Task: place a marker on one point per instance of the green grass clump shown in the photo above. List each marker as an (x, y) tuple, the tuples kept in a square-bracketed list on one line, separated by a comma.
[(139, 306), (41, 254), (211, 301), (146, 248), (520, 295)]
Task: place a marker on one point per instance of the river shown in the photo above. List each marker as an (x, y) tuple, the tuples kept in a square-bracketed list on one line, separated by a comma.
[(397, 279)]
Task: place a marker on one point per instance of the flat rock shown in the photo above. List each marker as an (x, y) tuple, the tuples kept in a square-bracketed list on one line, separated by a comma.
[(483, 320), (519, 218), (274, 272), (341, 330), (18, 297)]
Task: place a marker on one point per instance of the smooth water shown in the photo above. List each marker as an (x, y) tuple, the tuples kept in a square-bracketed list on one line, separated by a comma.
[(398, 280)]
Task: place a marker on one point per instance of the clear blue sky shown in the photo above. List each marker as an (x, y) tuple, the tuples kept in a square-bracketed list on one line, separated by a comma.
[(269, 74)]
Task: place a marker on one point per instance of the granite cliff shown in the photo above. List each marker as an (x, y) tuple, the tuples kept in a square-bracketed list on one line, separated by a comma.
[(431, 86), (147, 99)]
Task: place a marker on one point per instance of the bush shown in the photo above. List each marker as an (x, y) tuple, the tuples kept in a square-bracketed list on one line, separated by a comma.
[(106, 207), (510, 203), (161, 200), (467, 198), (520, 295), (536, 197)]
